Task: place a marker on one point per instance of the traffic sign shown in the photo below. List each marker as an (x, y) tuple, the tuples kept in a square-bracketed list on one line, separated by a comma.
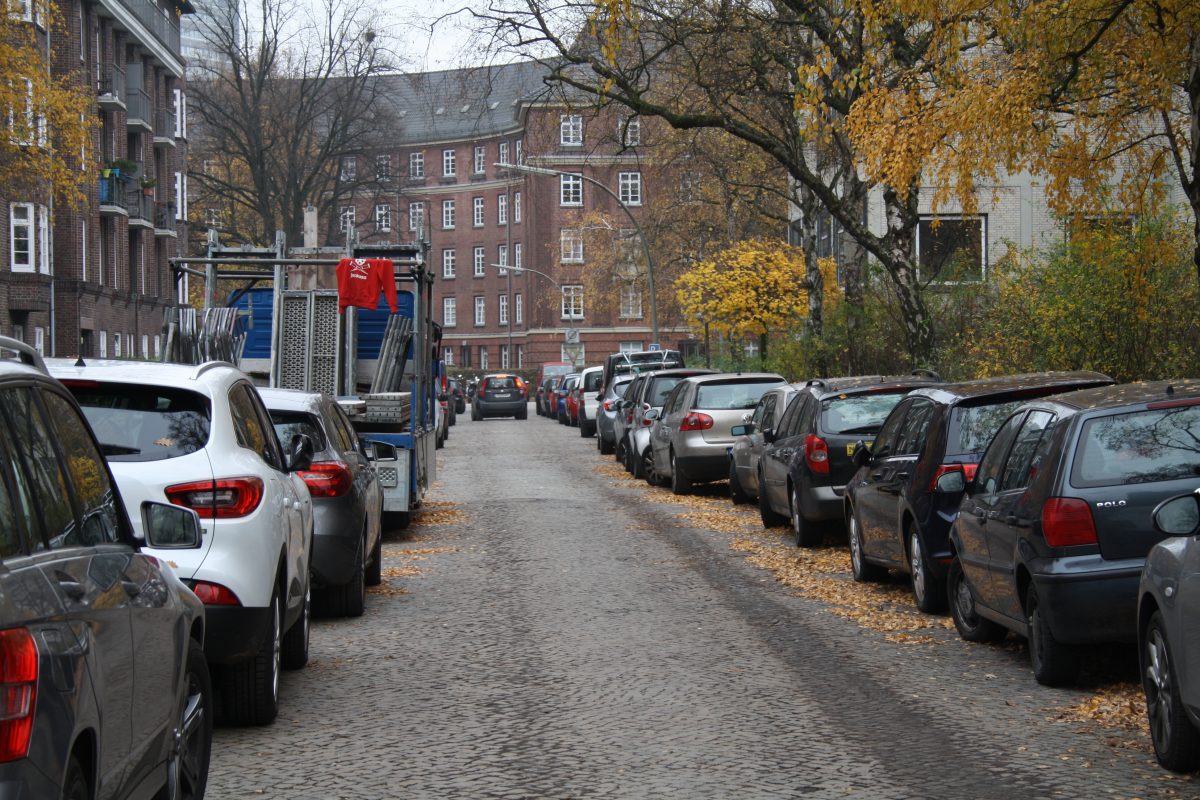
[(654, 347)]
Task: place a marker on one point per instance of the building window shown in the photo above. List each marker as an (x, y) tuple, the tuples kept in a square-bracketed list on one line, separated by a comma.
[(103, 344), (504, 153), (447, 215), (502, 210), (631, 302), (480, 159), (520, 356), (157, 346), (477, 212), (416, 216), (570, 190), (449, 312), (145, 346), (517, 207), (517, 255), (517, 150), (449, 164), (479, 262), (503, 309), (346, 219), (39, 340), (502, 258), (448, 260), (952, 249), (116, 345), (383, 218), (631, 131), (629, 347), (416, 165), (21, 237), (483, 357), (570, 130), (629, 185), (448, 356), (572, 246), (518, 309), (480, 310), (465, 352), (572, 302), (349, 168), (504, 356), (383, 168)]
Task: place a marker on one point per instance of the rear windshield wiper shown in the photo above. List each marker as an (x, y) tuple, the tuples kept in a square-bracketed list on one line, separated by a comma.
[(118, 450), (860, 429)]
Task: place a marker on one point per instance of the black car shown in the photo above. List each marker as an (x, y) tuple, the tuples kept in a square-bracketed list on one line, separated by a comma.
[(501, 395), (898, 511), (106, 688), (458, 396), (1054, 528), (807, 460)]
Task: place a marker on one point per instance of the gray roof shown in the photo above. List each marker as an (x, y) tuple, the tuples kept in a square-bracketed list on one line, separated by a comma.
[(462, 103)]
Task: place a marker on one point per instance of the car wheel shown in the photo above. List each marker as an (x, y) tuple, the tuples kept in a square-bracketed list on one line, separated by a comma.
[(75, 784), (649, 470), (619, 451), (805, 533), (770, 519), (1054, 663), (861, 570), (350, 599), (971, 626), (1176, 741), (606, 447), (679, 483), (928, 592), (637, 463), (191, 748), (250, 694), (584, 431), (375, 570), (736, 493), (524, 414), (295, 641)]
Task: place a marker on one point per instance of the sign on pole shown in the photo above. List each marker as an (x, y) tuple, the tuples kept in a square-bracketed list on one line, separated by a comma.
[(654, 347)]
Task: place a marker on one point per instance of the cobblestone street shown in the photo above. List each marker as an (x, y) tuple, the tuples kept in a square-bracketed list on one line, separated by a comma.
[(550, 629)]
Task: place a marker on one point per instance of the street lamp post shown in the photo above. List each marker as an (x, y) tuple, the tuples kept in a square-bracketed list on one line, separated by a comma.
[(528, 170)]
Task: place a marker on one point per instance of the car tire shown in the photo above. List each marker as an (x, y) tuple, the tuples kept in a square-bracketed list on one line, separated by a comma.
[(861, 570), (475, 416), (350, 599), (637, 464), (619, 451), (1176, 740), (770, 519), (524, 414), (375, 569), (805, 533), (650, 471), (584, 432), (679, 483), (929, 592), (187, 769), (605, 446), (75, 783), (971, 627), (736, 493), (1054, 663), (250, 691), (395, 520), (294, 652)]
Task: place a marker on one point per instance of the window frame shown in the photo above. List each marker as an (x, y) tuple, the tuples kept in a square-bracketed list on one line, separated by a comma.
[(416, 165), (480, 164), (448, 215), (629, 188), (570, 130), (383, 217), (575, 237), (449, 163), (570, 189), (572, 301), (478, 212), (479, 262), (416, 215), (449, 312), (924, 219), (480, 311), (449, 263)]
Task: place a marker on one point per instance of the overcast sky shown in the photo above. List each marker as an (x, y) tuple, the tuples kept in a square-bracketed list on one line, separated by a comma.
[(435, 34)]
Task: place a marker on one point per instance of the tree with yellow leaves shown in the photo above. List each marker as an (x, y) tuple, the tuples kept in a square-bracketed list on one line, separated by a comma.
[(48, 131), (753, 288)]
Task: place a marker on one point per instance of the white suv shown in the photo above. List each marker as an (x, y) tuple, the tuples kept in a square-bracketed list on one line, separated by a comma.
[(200, 437)]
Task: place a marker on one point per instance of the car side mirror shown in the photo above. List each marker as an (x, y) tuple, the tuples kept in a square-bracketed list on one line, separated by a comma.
[(652, 414), (171, 527), (861, 454), (742, 430), (768, 435), (952, 482), (1178, 516), (368, 448), (443, 397), (300, 453)]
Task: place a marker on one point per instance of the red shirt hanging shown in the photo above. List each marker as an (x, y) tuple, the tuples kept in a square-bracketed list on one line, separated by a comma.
[(359, 281)]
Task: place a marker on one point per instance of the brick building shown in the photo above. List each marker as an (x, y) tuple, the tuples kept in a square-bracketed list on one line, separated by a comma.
[(95, 280)]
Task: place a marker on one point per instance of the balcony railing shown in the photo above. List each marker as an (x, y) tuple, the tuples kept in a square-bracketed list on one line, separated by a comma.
[(139, 114), (164, 128), (140, 207), (160, 22), (110, 89), (110, 191), (164, 216)]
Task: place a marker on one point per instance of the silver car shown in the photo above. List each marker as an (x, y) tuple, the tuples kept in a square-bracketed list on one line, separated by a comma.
[(749, 442), (651, 394), (624, 417), (693, 432), (347, 554), (1168, 606), (607, 414)]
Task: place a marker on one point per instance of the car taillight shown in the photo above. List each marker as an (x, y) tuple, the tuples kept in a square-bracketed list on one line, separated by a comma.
[(327, 479), (696, 421), (968, 471), (223, 499), (214, 594), (18, 690), (1067, 521), (629, 417), (608, 405), (816, 454)]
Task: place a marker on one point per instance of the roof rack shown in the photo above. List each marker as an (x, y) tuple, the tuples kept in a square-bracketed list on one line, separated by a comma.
[(25, 353), (921, 372)]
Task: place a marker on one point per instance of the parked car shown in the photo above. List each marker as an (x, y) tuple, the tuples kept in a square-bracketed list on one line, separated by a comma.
[(898, 514), (553, 369), (1055, 526), (545, 391), (807, 461), (107, 693), (623, 419), (347, 500), (588, 403), (458, 396), (200, 437), (572, 401), (650, 395), (638, 361), (561, 394), (1168, 606), (606, 417), (691, 438), (749, 442), (501, 394)]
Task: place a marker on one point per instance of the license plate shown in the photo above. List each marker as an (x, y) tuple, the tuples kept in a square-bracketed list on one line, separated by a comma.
[(850, 447)]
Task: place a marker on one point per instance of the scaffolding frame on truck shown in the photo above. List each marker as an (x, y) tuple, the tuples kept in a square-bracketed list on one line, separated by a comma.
[(410, 438)]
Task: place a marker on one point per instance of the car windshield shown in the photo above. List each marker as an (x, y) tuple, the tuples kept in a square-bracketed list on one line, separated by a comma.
[(1139, 447), (289, 423), (717, 396), (972, 427), (860, 413), (144, 423)]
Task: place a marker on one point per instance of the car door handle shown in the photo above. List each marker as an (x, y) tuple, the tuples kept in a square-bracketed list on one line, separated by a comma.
[(1010, 520), (876, 475), (901, 476), (71, 587)]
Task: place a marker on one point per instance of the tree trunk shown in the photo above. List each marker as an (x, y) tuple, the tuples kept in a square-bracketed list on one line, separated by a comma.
[(809, 208), (852, 260), (901, 264)]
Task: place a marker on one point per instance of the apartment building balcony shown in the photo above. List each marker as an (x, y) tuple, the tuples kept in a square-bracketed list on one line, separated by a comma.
[(164, 220), (110, 89), (140, 116), (145, 20), (140, 207), (164, 129), (112, 198)]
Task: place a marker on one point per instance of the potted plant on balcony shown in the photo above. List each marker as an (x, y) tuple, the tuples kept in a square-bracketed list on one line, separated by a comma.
[(148, 185), (123, 167)]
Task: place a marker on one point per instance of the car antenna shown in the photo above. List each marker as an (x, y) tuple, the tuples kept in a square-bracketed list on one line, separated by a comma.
[(79, 362), (1170, 390)]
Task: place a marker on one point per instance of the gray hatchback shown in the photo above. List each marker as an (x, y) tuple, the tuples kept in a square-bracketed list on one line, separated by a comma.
[(501, 395)]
